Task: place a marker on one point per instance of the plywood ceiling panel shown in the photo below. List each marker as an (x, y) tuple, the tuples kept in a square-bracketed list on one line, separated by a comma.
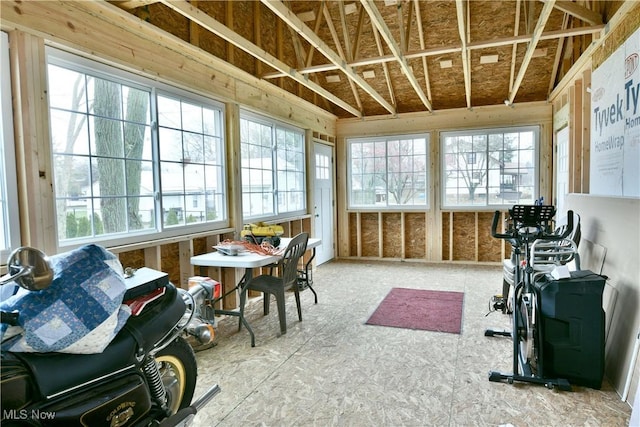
[(336, 46)]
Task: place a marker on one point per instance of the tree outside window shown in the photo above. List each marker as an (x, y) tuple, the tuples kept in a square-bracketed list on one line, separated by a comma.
[(489, 167), (273, 168), (388, 172), (128, 160)]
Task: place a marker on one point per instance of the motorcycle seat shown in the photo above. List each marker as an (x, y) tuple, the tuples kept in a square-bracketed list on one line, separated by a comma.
[(56, 372)]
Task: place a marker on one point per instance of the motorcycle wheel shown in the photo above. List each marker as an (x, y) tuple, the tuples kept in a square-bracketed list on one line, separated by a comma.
[(178, 370)]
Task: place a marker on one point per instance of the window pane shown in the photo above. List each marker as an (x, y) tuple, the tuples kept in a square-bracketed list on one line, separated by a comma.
[(114, 214), (273, 162), (389, 172), (170, 144), (73, 95), (496, 167), (191, 162), (70, 132), (94, 130), (141, 213), (113, 171), (169, 113)]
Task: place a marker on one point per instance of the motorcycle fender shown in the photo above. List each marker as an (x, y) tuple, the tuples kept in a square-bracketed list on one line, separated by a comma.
[(122, 402)]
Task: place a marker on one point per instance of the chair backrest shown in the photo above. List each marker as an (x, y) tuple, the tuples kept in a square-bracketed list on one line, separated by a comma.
[(576, 233), (296, 248)]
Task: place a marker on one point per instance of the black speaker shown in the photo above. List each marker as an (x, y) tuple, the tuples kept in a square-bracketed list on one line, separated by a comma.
[(570, 332)]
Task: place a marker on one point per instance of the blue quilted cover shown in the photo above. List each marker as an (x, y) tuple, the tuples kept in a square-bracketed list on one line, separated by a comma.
[(85, 296)]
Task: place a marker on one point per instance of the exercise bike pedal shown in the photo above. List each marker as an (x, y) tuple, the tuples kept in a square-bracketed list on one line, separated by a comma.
[(493, 333)]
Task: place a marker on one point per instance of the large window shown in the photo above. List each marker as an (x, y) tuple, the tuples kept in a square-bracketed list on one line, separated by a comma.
[(388, 172), (9, 222), (489, 167), (131, 157), (273, 168)]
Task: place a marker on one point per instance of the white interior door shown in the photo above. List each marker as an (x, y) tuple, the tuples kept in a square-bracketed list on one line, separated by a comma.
[(562, 170), (323, 202)]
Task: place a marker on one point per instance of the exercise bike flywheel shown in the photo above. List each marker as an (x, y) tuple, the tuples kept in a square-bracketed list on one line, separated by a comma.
[(526, 333)]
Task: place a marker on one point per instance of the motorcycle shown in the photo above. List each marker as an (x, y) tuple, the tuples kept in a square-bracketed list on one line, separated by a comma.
[(145, 376)]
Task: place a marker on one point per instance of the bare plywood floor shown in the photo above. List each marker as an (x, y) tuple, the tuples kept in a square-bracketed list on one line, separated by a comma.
[(333, 370)]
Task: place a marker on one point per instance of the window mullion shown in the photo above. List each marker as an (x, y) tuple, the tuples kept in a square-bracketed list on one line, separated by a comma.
[(274, 169)]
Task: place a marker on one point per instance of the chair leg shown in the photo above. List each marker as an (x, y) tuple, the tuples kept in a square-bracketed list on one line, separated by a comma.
[(298, 305), (282, 315), (266, 297), (315, 296)]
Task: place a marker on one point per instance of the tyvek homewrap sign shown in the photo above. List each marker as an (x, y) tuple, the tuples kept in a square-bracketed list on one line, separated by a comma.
[(615, 123)]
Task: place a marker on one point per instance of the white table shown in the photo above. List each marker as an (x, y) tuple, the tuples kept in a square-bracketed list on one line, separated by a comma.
[(249, 261)]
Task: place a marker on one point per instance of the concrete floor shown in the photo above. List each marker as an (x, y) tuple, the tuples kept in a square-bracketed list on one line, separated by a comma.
[(332, 369)]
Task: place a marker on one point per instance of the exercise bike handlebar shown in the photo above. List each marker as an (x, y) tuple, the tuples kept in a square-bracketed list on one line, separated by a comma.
[(494, 228), (542, 234)]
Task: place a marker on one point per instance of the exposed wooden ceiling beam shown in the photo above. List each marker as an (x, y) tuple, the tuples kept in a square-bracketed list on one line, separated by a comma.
[(378, 22), (292, 20), (558, 58), (451, 49), (514, 50), (345, 33), (385, 67), (549, 35), (537, 32), (587, 15), (416, 4), (466, 69), (358, 38), (336, 40), (404, 40), (132, 4), (189, 11), (316, 28)]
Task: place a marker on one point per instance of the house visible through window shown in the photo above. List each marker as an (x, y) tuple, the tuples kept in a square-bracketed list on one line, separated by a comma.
[(489, 167), (388, 172), (117, 174), (273, 168)]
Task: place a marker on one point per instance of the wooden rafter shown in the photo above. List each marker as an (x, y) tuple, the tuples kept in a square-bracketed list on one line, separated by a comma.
[(302, 57), (292, 20), (558, 58), (132, 4), (403, 37), (407, 31), (189, 11), (587, 15), (514, 49), (229, 23), (316, 28), (537, 32), (381, 26), (466, 69), (524, 38), (416, 4), (257, 35), (358, 37), (385, 68), (336, 40), (345, 32)]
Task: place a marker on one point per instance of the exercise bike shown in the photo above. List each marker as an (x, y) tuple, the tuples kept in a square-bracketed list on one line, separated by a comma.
[(527, 224)]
